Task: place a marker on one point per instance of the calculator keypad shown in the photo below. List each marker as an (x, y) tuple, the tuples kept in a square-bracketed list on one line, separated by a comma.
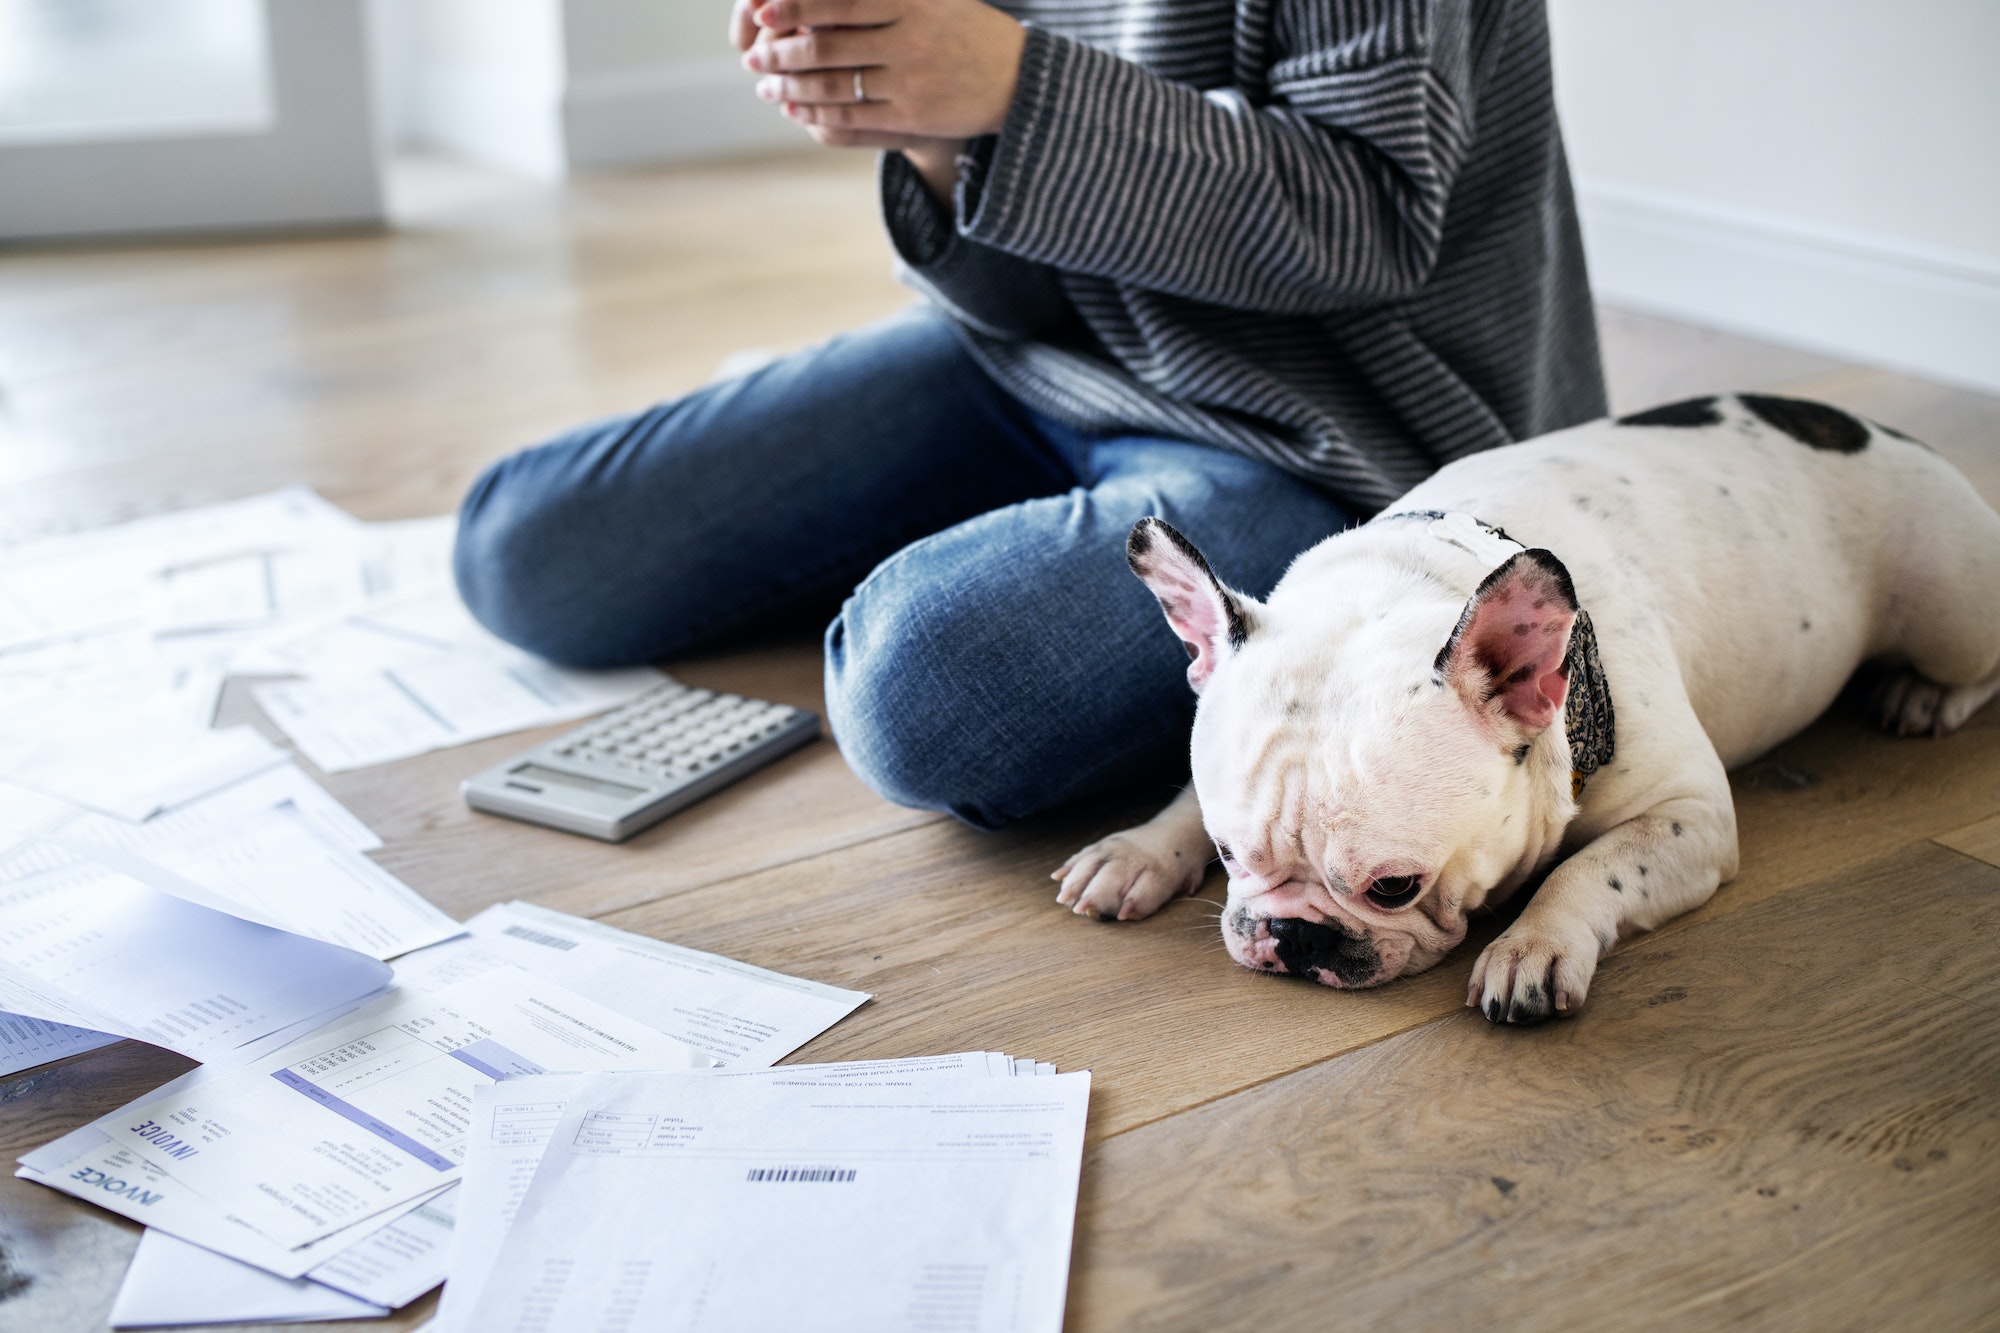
[(675, 733)]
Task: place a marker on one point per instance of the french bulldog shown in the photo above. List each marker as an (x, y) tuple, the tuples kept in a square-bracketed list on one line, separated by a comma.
[(1540, 664)]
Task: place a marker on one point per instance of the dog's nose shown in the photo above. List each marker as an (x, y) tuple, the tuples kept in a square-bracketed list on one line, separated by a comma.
[(1323, 952)]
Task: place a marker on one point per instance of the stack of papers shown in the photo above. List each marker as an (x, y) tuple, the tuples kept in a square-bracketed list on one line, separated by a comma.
[(918, 1194), (570, 1123), (330, 1164)]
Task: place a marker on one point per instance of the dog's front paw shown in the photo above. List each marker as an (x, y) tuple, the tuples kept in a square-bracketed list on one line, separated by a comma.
[(1128, 875), (1532, 973)]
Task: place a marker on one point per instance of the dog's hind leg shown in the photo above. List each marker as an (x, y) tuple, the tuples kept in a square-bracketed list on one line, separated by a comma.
[(1909, 703), (1943, 605)]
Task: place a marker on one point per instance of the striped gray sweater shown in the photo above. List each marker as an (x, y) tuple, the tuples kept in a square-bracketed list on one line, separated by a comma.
[(1334, 234)]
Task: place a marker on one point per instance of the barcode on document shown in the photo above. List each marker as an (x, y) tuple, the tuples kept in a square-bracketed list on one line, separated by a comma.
[(537, 937), (800, 1173)]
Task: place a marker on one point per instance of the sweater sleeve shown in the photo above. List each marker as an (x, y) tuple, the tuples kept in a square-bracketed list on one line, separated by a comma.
[(1328, 193), (996, 292)]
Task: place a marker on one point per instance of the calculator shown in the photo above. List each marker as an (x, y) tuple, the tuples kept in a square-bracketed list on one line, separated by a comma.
[(641, 761)]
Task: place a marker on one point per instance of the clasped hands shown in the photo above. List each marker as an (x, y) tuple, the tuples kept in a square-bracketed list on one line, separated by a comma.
[(934, 72)]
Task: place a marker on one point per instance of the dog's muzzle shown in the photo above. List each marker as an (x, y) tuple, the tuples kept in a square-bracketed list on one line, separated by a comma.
[(1320, 951), (1323, 952)]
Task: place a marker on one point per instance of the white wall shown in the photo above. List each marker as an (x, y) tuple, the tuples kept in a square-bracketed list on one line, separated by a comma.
[(1820, 172), (657, 81), (544, 87), (479, 78), (623, 35)]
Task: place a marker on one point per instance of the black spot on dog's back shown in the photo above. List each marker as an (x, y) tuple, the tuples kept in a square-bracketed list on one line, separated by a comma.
[(1910, 439), (1687, 412), (1813, 424)]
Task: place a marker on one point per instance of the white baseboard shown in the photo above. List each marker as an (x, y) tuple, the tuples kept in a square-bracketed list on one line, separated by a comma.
[(670, 113), (1862, 297)]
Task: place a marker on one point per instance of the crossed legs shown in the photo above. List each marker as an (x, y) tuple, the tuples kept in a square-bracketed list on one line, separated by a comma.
[(993, 658)]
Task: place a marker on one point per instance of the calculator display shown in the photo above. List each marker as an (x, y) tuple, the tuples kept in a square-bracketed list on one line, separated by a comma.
[(560, 778)]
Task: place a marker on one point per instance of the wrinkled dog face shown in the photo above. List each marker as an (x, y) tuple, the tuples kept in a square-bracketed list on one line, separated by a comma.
[(1373, 759)]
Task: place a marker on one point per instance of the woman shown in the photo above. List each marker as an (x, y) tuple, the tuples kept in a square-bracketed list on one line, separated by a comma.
[(1255, 267)]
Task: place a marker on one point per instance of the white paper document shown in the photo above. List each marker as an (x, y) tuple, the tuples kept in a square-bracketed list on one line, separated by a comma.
[(114, 645), (744, 1016), (398, 1263), (91, 1165), (403, 1260), (84, 945), (128, 759), (92, 582), (274, 867), (340, 897), (368, 1114), (107, 710), (26, 815), (285, 784), (420, 675), (723, 1007), (274, 848), (172, 1282), (419, 625), (267, 585), (940, 1203), (512, 1123), (26, 1042)]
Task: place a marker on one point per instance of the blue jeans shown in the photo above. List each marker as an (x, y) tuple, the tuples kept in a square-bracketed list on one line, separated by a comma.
[(994, 656)]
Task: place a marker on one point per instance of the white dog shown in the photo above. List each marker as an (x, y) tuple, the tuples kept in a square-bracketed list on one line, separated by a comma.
[(1420, 718)]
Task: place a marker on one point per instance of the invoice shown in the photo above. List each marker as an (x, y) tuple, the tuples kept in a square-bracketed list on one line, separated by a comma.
[(512, 1122), (945, 1202), (746, 1017), (372, 1112)]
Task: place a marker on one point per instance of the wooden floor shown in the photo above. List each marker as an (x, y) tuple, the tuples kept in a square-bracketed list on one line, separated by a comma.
[(1780, 1112)]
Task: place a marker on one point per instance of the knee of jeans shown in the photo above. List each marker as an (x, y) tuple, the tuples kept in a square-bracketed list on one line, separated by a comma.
[(508, 564), (902, 722)]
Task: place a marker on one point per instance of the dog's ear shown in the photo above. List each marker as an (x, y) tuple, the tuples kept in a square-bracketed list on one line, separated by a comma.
[(1512, 642), (1212, 620)]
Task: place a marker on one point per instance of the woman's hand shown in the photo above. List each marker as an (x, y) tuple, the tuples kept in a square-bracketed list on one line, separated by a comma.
[(932, 72), (743, 27)]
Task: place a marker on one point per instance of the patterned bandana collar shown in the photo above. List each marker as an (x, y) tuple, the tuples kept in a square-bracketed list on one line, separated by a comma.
[(1588, 718)]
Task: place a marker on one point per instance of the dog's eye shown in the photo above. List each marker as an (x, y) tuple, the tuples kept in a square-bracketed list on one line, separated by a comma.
[(1222, 850), (1395, 891)]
